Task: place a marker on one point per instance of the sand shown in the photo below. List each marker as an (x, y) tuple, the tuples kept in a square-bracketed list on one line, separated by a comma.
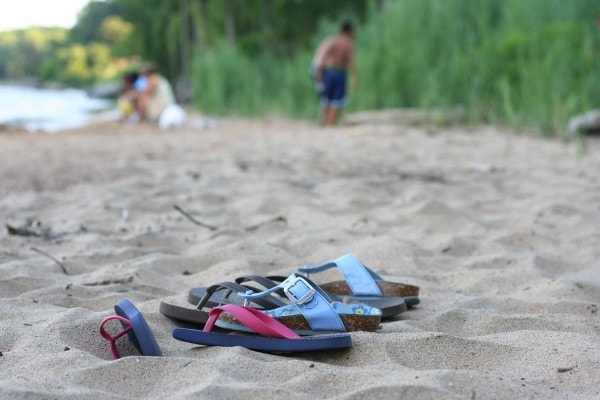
[(499, 229)]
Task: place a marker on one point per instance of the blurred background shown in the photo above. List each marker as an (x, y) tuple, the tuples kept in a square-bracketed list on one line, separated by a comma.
[(531, 63)]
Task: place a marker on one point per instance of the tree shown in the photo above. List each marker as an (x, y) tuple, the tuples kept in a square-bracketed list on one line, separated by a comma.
[(116, 33), (23, 51), (75, 61), (89, 22)]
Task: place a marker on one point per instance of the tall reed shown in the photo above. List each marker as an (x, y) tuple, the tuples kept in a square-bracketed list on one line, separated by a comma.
[(527, 63)]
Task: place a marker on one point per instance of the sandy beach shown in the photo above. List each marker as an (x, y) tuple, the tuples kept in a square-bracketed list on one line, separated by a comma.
[(499, 229)]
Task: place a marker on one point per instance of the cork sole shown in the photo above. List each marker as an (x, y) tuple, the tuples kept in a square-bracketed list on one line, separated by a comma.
[(388, 289)]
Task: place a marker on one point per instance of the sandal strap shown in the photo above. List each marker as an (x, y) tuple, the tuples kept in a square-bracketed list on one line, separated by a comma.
[(267, 302), (309, 298), (360, 278), (266, 281), (258, 321)]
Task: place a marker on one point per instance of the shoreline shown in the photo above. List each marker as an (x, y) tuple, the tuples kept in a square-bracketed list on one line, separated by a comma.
[(49, 110)]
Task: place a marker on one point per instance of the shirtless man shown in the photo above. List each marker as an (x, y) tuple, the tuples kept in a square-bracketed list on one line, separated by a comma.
[(333, 58)]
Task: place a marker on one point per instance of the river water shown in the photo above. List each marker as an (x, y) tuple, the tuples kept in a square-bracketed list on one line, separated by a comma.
[(48, 110)]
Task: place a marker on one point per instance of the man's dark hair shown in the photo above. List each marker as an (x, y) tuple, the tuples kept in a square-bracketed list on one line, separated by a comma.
[(347, 27)]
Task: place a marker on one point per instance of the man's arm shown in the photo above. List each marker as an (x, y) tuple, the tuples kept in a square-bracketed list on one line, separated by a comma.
[(352, 68), (320, 57)]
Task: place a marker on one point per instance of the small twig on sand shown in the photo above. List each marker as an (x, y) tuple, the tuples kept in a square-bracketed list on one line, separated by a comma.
[(421, 176), (122, 281), (565, 369), (194, 220), (278, 218), (61, 265)]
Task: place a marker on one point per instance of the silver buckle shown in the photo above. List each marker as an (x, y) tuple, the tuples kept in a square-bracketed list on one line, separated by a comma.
[(304, 299)]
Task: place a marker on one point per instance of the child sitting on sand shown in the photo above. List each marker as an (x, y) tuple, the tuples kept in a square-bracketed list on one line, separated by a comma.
[(154, 96)]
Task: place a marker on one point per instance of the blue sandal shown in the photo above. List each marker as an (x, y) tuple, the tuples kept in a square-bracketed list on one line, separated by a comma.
[(310, 311), (388, 305), (362, 284)]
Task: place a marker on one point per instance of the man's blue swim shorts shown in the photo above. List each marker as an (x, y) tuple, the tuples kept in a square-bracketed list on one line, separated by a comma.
[(334, 88)]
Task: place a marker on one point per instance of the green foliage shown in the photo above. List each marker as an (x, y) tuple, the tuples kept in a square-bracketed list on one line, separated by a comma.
[(528, 63), (167, 30), (23, 51), (75, 65), (156, 31), (115, 30), (265, 70), (89, 26), (82, 56), (229, 82)]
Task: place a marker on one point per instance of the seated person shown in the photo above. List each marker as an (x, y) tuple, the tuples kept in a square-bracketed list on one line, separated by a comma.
[(154, 94)]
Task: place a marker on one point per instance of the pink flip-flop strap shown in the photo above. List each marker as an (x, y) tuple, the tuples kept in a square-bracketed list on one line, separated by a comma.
[(107, 335), (258, 321), (112, 339)]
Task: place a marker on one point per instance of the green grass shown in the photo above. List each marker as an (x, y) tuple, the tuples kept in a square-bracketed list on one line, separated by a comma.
[(528, 63)]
